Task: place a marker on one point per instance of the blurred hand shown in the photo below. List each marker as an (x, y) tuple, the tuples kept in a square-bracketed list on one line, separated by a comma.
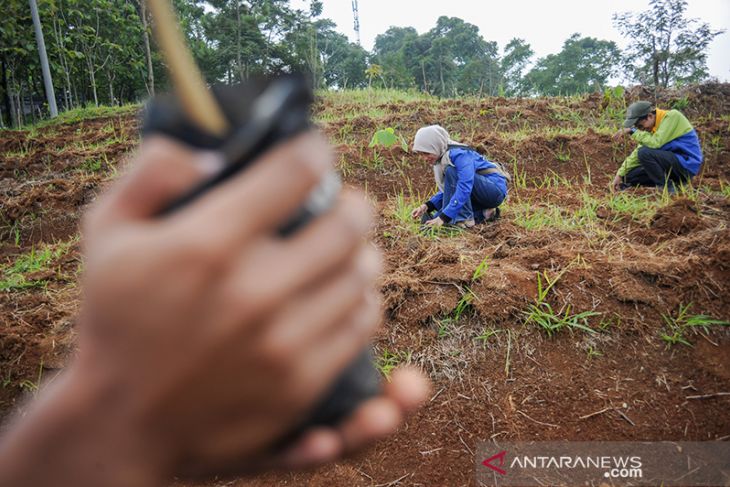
[(621, 133), (435, 222), (224, 331), (418, 212), (204, 336), (616, 183)]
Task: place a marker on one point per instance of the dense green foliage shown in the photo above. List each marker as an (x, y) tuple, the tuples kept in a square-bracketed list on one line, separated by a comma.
[(583, 65), (666, 48), (102, 52)]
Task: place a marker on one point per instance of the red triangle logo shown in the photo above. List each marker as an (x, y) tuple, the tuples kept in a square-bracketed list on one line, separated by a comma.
[(499, 456)]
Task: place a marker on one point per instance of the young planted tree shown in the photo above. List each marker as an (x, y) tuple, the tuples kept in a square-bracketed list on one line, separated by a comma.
[(666, 47), (374, 71), (99, 51)]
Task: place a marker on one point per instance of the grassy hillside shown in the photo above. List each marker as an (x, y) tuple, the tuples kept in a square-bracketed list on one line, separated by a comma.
[(581, 314)]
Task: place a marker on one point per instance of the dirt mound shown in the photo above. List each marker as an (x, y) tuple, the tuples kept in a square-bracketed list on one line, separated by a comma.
[(679, 218), (693, 100)]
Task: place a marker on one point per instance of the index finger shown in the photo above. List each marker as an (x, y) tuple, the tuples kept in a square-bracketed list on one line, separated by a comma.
[(260, 198), (163, 170)]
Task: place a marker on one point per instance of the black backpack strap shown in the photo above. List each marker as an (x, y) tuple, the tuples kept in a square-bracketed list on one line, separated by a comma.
[(499, 169)]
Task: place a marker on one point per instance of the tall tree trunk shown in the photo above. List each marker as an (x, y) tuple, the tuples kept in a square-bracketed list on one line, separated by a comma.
[(62, 59), (32, 106), (20, 104), (112, 101), (67, 101), (315, 58), (35, 89), (92, 78), (148, 51), (238, 42), (45, 68), (15, 101), (655, 64), (76, 95), (441, 76), (7, 100), (68, 92), (18, 119), (423, 73)]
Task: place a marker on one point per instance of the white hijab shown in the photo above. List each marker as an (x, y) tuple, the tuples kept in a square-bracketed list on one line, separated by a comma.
[(434, 139)]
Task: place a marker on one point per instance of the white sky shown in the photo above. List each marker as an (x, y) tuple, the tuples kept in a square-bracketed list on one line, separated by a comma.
[(545, 25)]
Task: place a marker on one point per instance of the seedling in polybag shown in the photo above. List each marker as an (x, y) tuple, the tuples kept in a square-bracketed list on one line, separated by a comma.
[(387, 138)]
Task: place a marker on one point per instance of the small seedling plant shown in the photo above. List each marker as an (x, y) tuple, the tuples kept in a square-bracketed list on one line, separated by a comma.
[(487, 335), (480, 270), (388, 361), (19, 274), (463, 305), (387, 138), (544, 316), (462, 308), (677, 327), (614, 103)]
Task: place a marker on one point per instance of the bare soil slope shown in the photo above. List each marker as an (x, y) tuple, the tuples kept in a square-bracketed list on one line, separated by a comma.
[(457, 305)]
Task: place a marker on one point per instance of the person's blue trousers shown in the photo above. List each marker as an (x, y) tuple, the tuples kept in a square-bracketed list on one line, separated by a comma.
[(484, 195)]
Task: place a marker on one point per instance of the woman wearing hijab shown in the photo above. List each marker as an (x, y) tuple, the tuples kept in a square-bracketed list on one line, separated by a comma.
[(471, 188)]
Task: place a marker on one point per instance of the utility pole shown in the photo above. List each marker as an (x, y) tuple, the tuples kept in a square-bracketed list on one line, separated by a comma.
[(357, 21), (47, 81)]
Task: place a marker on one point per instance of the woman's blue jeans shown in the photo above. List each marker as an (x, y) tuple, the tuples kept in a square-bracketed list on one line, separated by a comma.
[(484, 195)]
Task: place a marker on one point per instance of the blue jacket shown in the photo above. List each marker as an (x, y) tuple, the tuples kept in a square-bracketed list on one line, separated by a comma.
[(687, 149), (672, 132), (467, 162)]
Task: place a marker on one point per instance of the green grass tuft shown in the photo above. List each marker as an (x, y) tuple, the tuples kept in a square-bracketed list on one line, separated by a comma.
[(639, 208), (678, 326), (551, 321), (17, 276), (387, 361)]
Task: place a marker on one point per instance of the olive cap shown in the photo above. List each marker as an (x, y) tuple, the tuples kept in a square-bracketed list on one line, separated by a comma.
[(637, 110)]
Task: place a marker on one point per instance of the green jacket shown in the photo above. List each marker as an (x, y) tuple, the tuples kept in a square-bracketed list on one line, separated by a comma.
[(674, 134)]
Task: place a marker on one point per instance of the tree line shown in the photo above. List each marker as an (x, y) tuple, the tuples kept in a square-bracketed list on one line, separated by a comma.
[(102, 52)]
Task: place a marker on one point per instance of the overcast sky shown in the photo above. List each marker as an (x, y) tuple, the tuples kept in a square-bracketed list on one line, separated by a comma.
[(545, 25)]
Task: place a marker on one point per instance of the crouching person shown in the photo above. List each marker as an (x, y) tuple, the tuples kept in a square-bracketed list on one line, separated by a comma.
[(669, 150), (471, 188)]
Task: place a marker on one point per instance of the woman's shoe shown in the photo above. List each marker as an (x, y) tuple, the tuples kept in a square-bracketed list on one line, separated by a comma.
[(464, 224), (491, 214)]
